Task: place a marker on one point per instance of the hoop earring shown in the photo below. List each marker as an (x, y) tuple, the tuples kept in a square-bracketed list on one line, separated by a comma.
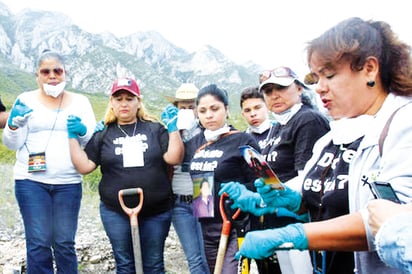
[(370, 83)]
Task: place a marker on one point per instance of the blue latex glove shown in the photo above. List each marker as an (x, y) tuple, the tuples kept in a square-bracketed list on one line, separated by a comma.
[(99, 126), (246, 200), (287, 198), (283, 212), (233, 189), (169, 118), (75, 127), (262, 244), (19, 114)]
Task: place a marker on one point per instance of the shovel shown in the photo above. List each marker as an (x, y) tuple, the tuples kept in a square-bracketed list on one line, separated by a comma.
[(224, 237), (132, 213)]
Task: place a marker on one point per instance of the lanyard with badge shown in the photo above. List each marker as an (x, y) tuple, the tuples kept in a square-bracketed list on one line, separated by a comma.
[(37, 161), (132, 149)]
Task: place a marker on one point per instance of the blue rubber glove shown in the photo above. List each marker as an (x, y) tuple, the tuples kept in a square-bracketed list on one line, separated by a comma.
[(262, 244), (246, 200), (283, 212), (75, 127), (233, 189), (287, 198), (19, 114), (99, 126), (169, 118)]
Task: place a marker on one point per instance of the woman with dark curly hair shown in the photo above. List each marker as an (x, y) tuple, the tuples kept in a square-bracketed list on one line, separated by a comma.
[(364, 79)]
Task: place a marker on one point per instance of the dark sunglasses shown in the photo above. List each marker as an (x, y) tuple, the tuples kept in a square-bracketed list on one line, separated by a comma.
[(47, 71), (277, 72)]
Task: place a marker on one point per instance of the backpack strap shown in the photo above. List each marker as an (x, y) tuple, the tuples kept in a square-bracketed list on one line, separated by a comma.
[(385, 129)]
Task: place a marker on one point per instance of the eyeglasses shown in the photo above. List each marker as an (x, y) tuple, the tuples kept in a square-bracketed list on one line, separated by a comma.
[(56, 71), (277, 72)]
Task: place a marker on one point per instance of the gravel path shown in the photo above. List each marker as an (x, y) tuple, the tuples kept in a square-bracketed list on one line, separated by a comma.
[(92, 245)]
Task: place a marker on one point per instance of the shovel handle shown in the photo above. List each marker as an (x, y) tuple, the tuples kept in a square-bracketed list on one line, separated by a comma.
[(131, 212), (221, 252), (224, 236)]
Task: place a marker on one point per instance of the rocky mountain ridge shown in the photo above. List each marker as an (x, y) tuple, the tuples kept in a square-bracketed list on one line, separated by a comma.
[(93, 61)]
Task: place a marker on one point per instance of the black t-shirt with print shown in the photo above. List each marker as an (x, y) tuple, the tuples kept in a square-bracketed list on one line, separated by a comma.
[(325, 194), (224, 160), (105, 149), (262, 139), (290, 146)]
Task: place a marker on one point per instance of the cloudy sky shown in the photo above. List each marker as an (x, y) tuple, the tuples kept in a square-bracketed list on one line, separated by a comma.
[(269, 32)]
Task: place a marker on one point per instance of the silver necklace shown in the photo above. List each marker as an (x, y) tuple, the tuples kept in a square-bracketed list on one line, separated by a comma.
[(124, 132)]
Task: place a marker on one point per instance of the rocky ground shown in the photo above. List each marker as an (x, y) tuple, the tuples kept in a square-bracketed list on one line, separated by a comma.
[(92, 245)]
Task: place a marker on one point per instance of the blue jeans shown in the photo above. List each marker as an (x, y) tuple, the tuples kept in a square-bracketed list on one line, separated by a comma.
[(50, 214), (190, 235), (153, 231)]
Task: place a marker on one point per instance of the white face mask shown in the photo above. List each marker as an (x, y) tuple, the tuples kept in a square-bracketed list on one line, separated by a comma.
[(186, 119), (265, 125), (213, 135), (347, 130), (54, 91), (285, 116)]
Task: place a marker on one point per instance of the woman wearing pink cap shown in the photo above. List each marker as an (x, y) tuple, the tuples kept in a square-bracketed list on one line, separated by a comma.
[(134, 150)]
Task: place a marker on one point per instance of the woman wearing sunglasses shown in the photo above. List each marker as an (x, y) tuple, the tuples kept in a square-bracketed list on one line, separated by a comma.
[(299, 125), (47, 186), (288, 146), (364, 78)]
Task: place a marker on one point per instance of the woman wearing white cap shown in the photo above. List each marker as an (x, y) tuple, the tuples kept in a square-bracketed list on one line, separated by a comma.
[(289, 146), (184, 222), (299, 126), (134, 150)]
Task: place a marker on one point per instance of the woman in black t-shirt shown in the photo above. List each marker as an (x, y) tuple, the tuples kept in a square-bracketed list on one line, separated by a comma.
[(215, 156), (288, 146), (133, 151)]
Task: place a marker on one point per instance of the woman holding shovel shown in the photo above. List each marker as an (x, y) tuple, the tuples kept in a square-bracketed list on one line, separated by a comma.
[(215, 157), (133, 151)]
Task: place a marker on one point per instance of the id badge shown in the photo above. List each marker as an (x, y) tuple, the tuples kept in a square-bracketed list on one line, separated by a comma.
[(132, 153), (37, 162)]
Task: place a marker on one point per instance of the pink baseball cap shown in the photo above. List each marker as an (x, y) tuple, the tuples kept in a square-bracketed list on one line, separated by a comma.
[(127, 84)]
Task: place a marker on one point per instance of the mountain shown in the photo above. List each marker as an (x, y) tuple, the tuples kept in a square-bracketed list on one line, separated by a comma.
[(93, 61)]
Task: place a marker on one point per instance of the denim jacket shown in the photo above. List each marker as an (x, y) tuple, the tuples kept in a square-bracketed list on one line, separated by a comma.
[(394, 242)]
